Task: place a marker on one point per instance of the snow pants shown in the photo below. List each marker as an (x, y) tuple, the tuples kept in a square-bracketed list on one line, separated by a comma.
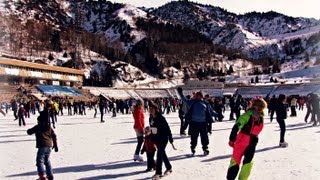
[(196, 129), (245, 145)]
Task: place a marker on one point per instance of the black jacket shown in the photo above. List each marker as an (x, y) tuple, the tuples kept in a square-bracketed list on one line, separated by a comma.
[(163, 130), (281, 110)]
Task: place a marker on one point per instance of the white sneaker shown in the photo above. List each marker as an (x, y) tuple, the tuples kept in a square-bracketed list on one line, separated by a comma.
[(283, 144), (137, 158)]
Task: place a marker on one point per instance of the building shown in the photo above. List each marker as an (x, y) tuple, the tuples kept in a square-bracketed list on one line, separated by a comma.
[(22, 72)]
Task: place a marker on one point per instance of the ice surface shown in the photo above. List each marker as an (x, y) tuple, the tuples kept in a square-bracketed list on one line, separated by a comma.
[(91, 150)]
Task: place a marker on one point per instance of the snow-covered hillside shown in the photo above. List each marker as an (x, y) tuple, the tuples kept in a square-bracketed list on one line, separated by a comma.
[(256, 34)]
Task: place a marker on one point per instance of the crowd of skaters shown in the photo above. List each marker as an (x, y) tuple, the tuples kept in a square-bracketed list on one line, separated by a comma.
[(197, 112)]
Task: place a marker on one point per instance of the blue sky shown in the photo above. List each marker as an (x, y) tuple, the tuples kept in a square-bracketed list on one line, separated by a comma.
[(295, 8)]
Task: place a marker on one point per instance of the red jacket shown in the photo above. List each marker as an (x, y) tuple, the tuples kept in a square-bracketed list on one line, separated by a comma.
[(148, 146), (138, 117)]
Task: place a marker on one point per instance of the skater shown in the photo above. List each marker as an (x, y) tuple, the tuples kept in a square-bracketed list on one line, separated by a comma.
[(250, 124), (281, 111), (2, 112), (45, 140), (315, 109), (199, 115), (293, 105), (14, 107), (183, 108), (309, 110), (69, 108), (301, 103), (272, 106), (95, 108), (21, 115), (101, 108), (232, 108), (138, 126), (52, 113), (150, 148), (161, 134)]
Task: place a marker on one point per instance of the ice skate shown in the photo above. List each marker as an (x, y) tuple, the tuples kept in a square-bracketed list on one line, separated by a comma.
[(183, 134), (156, 177), (283, 144), (205, 152), (167, 172), (42, 177), (137, 158), (193, 152)]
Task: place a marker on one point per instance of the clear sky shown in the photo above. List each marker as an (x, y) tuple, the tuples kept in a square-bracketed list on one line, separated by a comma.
[(295, 8)]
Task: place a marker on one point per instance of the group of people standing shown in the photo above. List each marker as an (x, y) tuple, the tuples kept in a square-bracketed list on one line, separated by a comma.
[(197, 113)]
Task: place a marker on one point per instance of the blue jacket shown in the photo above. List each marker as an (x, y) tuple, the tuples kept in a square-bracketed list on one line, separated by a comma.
[(198, 109)]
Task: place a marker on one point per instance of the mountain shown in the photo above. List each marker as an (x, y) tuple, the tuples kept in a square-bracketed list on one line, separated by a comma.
[(196, 39), (255, 34)]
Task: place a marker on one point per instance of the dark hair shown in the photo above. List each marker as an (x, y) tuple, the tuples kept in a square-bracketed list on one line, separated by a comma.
[(154, 105), (199, 94), (282, 97)]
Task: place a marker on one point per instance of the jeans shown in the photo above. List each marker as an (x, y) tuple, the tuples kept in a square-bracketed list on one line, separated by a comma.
[(43, 161)]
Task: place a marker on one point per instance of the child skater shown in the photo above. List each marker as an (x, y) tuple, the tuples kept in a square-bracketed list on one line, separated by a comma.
[(45, 140), (249, 125), (150, 148)]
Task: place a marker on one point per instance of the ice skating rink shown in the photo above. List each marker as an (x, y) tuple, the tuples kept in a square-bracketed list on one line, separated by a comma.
[(89, 149)]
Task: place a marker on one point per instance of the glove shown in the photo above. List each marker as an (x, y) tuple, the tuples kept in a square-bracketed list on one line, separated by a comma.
[(231, 144), (173, 147), (142, 151), (56, 149), (179, 90)]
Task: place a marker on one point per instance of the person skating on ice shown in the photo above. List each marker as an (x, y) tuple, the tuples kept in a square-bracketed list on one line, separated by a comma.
[(21, 115), (46, 139), (281, 112), (199, 116), (244, 138), (161, 135), (150, 148), (138, 126)]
